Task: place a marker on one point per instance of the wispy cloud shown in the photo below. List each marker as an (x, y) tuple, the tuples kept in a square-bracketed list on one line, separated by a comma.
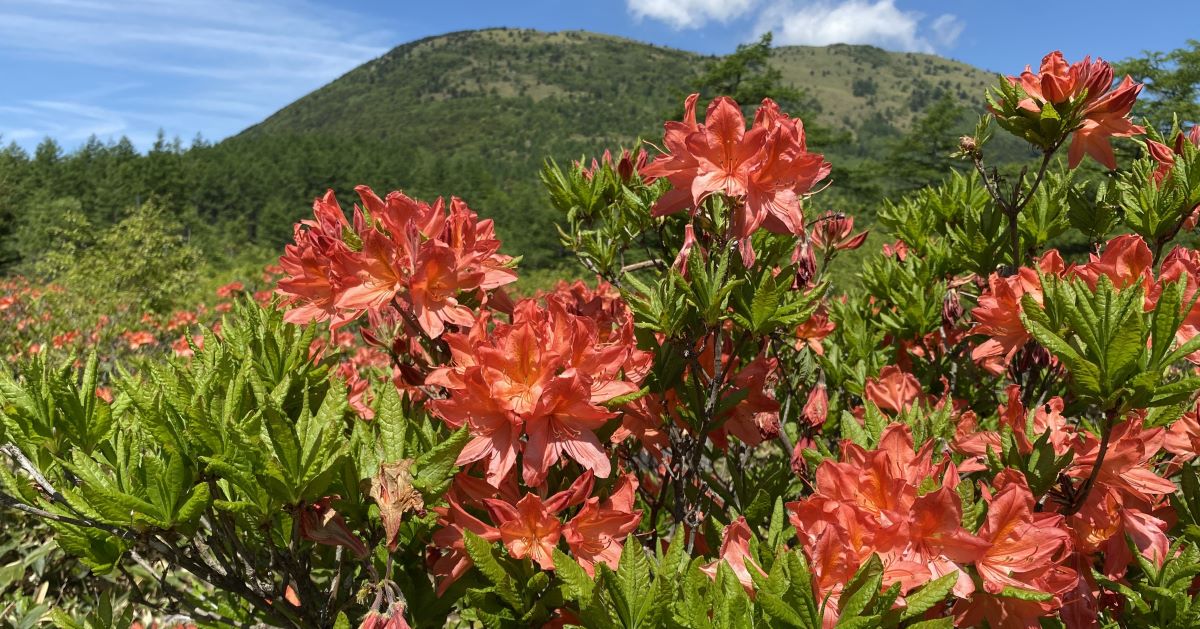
[(683, 14), (878, 22), (230, 62), (812, 22)]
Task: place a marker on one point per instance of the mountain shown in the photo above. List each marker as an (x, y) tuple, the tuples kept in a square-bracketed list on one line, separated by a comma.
[(531, 90), (474, 114)]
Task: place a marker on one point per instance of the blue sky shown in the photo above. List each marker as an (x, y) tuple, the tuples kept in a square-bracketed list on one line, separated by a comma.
[(73, 68)]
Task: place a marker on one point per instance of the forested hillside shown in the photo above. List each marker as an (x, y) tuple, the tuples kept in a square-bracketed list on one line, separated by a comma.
[(474, 114)]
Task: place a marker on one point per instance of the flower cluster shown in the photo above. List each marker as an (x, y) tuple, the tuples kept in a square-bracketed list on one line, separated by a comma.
[(766, 170), (536, 386), (1125, 260), (531, 526), (1085, 84), (404, 256)]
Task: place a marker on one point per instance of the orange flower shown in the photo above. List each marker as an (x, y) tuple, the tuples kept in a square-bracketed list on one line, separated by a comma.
[(766, 169), (596, 534), (562, 424), (230, 289), (1106, 110), (137, 340), (403, 256), (542, 377), (527, 530), (868, 503), (1126, 261), (894, 390), (998, 314), (454, 561), (1026, 550), (735, 551), (1106, 117), (814, 330)]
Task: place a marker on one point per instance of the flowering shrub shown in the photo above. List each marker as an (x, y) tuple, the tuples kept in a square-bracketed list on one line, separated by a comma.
[(989, 432)]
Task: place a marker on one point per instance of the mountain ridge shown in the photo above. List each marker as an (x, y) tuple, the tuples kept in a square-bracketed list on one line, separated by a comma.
[(828, 88)]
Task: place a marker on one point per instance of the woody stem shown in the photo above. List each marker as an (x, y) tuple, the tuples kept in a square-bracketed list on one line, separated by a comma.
[(1080, 498), (1012, 207)]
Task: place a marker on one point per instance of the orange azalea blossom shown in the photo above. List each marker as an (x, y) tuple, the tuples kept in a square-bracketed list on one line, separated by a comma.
[(404, 254), (834, 231), (230, 289), (137, 340), (1125, 260), (535, 386), (894, 390), (1026, 428), (765, 169), (642, 419), (452, 560), (998, 314), (814, 330), (529, 529), (869, 503), (1124, 497), (1183, 440), (1025, 550), (735, 552), (530, 526), (596, 534), (1106, 110)]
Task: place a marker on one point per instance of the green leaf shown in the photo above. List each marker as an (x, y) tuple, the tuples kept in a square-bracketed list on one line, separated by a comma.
[(633, 577), (928, 596), (1085, 375), (188, 515), (936, 623), (436, 466), (862, 589), (393, 425), (578, 585), (1024, 594), (480, 551)]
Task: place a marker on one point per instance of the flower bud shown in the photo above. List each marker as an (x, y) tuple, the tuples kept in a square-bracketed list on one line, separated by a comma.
[(952, 308), (625, 167), (320, 523), (806, 264), (968, 146), (816, 409)]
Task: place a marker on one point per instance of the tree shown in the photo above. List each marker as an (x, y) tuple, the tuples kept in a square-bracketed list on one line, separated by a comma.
[(746, 76), (1172, 84), (923, 155)]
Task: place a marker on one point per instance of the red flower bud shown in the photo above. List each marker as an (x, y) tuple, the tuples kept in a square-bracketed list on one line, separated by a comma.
[(816, 409), (321, 524)]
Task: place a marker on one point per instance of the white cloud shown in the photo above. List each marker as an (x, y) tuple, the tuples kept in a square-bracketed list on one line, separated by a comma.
[(682, 14), (877, 22), (946, 29), (210, 65)]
